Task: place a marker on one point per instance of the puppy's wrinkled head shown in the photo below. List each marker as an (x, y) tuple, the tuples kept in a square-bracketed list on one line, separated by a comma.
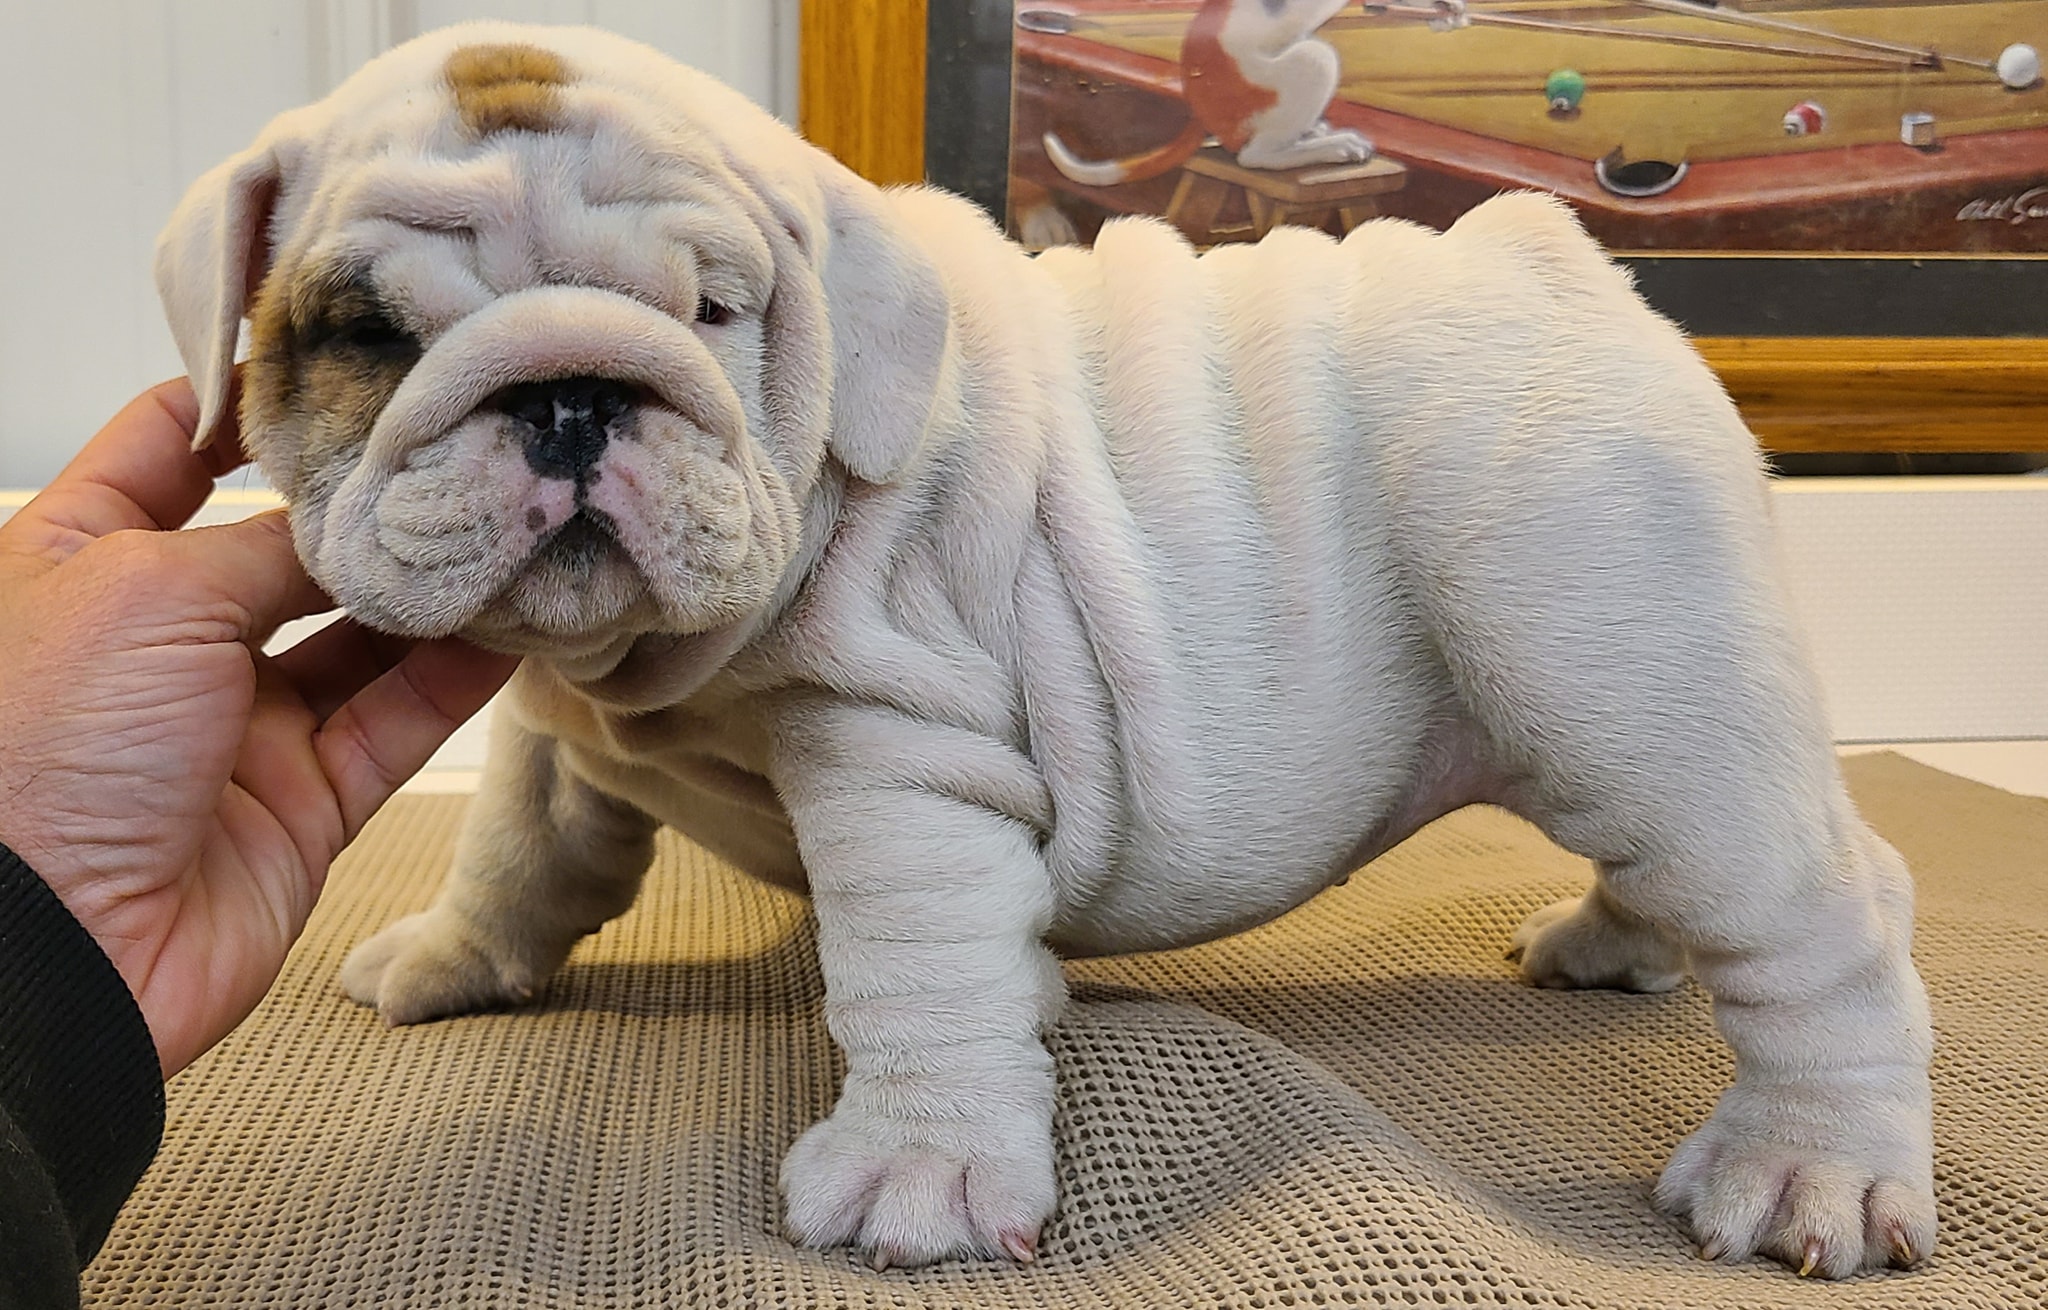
[(549, 338)]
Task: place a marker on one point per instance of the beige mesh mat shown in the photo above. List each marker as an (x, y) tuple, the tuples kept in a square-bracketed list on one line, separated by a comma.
[(1356, 1105)]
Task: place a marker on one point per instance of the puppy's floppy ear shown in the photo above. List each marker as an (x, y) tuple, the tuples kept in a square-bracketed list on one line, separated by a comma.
[(890, 321), (209, 260)]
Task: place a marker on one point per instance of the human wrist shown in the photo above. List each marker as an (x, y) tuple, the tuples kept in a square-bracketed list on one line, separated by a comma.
[(79, 1071)]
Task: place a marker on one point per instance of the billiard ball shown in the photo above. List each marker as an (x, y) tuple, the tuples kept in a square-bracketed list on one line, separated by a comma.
[(1805, 119), (2019, 66), (1564, 89)]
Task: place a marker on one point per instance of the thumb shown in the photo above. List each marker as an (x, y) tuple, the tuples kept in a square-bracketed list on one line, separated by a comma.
[(253, 567)]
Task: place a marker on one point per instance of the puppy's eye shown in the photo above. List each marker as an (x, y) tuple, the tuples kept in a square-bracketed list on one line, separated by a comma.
[(710, 311), (365, 334), (374, 333)]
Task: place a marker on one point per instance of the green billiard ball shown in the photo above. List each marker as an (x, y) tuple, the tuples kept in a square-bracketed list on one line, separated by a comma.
[(1564, 89)]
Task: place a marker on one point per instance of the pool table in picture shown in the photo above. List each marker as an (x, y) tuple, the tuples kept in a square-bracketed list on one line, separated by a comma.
[(1466, 111)]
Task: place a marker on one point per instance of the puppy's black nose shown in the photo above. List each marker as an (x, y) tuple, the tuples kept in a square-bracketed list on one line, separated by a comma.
[(567, 421)]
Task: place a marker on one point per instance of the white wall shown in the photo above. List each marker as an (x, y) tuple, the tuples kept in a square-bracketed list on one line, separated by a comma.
[(1924, 601), (113, 106)]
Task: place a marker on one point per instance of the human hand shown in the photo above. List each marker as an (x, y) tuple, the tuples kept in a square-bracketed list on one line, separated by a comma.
[(180, 791)]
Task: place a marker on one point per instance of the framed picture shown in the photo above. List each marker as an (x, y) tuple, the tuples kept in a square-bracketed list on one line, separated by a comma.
[(1855, 292)]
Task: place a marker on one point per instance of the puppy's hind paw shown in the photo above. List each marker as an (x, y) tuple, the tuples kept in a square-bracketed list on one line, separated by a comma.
[(854, 1180), (1588, 943), (425, 966)]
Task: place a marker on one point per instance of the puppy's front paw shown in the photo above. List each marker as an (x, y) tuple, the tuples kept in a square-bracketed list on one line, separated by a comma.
[(427, 966), (910, 1193), (1829, 1193)]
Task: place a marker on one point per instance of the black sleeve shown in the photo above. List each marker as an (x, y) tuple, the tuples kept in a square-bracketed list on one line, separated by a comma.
[(81, 1094)]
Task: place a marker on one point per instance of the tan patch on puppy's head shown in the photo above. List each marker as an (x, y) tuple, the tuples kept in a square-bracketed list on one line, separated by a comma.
[(501, 88)]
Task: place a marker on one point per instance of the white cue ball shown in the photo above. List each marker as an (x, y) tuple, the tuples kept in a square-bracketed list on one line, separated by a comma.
[(2019, 66)]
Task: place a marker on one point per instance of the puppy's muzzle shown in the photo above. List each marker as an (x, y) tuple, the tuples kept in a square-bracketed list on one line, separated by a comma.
[(581, 382)]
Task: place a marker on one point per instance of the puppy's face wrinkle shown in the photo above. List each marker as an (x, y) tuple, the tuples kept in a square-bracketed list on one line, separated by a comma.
[(326, 355)]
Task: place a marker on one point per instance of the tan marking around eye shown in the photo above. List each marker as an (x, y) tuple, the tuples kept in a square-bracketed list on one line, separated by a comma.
[(502, 88), (268, 372), (327, 400)]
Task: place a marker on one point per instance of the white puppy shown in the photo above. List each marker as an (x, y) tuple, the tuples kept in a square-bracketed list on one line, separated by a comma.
[(1108, 601)]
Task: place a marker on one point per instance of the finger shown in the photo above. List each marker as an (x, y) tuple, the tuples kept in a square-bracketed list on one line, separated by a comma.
[(139, 472), (279, 767), (250, 565), (332, 665), (388, 730)]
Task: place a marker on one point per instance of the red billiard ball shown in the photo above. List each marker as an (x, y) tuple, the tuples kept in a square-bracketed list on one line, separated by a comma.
[(1805, 119)]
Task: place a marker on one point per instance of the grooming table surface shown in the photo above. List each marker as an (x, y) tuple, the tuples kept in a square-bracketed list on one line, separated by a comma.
[(1357, 1105)]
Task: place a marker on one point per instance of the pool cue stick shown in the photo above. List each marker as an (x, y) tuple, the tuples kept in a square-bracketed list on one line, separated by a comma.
[(1063, 22), (1922, 54), (1902, 56), (1663, 38)]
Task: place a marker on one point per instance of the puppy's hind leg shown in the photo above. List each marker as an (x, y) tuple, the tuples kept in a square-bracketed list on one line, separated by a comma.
[(1714, 814), (1609, 612), (543, 860)]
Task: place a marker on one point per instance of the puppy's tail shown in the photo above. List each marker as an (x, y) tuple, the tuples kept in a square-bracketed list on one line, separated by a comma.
[(1131, 168)]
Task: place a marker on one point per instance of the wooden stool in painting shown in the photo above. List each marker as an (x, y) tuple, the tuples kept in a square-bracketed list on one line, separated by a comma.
[(1309, 196)]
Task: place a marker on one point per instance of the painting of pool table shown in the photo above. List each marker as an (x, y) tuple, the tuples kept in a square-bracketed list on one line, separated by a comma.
[(1673, 126)]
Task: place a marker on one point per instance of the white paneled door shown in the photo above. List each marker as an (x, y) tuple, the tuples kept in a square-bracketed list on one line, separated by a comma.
[(113, 106)]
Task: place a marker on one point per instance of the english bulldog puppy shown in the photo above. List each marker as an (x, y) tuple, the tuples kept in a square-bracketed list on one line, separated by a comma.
[(1107, 601)]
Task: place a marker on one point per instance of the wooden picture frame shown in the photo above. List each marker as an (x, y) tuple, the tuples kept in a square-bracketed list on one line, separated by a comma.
[(863, 99)]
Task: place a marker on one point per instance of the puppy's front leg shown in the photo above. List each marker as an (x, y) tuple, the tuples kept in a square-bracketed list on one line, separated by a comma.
[(931, 900), (544, 859)]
